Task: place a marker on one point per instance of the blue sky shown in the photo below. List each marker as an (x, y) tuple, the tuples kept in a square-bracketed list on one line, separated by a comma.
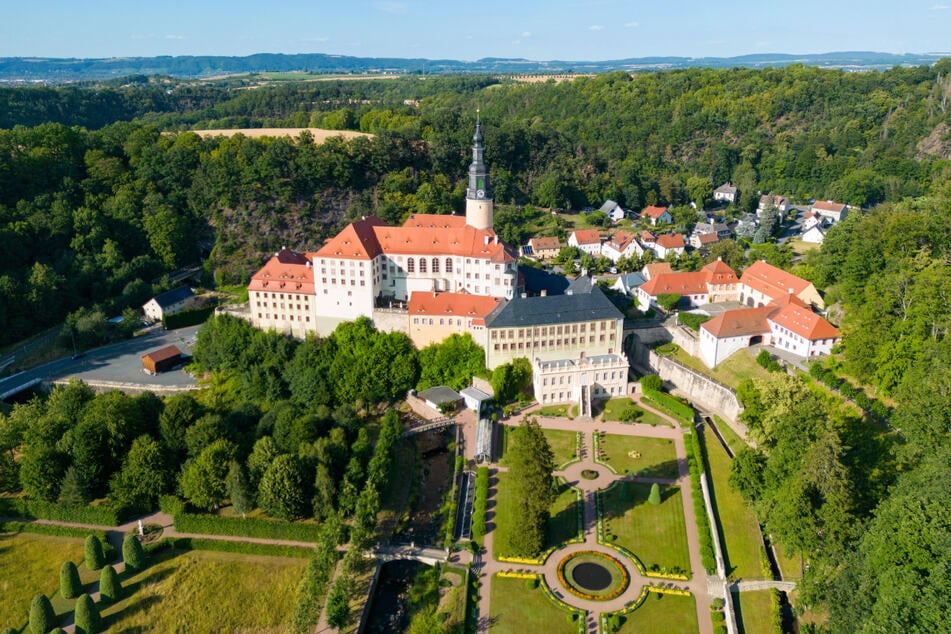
[(469, 29)]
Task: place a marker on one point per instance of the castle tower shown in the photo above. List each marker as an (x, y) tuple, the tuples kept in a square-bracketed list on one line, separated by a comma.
[(479, 206)]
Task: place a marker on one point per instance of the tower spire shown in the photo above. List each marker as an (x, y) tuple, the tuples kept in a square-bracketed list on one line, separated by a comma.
[(479, 206)]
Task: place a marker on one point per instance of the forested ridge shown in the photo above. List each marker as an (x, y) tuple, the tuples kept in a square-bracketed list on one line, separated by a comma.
[(98, 214)]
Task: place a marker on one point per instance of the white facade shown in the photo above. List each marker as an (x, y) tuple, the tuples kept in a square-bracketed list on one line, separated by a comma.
[(814, 235), (580, 380), (282, 310), (586, 242)]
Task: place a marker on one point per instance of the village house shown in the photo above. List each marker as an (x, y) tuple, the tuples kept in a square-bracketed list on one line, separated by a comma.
[(543, 248), (168, 303), (621, 244), (613, 211), (763, 283), (657, 215), (587, 240), (628, 283), (726, 192), (716, 282), (779, 202), (835, 212), (815, 234), (669, 243), (703, 240), (652, 270)]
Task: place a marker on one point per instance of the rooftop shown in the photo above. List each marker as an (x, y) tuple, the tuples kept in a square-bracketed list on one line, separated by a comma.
[(572, 307), (286, 271), (173, 296)]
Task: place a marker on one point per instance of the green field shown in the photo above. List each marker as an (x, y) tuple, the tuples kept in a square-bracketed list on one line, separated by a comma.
[(30, 564), (662, 614), (657, 459), (516, 609), (656, 534), (562, 444), (754, 612), (562, 526), (737, 522), (202, 591)]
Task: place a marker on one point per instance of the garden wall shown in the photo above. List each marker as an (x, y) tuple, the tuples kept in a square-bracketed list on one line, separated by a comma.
[(703, 391)]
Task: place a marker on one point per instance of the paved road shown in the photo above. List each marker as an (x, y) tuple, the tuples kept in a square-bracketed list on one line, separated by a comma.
[(118, 363)]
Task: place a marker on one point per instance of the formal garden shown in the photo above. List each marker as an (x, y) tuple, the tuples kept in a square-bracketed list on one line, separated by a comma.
[(644, 457), (562, 525), (661, 614), (522, 605)]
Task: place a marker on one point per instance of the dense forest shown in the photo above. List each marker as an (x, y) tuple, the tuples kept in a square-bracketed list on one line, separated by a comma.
[(101, 199)]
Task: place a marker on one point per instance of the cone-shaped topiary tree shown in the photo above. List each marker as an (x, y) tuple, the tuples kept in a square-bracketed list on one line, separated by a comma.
[(87, 616), (42, 617), (132, 554), (69, 584), (655, 494), (95, 558), (110, 588)]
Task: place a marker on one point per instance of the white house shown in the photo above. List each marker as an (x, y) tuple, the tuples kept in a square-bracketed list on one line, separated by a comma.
[(779, 202), (627, 283), (588, 240), (613, 210), (726, 192), (621, 244), (835, 212), (168, 303), (814, 234), (669, 243)]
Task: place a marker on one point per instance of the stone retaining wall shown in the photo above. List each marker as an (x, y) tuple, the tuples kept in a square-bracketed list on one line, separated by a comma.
[(700, 389)]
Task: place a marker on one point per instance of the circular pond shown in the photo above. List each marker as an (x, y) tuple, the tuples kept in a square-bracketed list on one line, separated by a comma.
[(593, 575)]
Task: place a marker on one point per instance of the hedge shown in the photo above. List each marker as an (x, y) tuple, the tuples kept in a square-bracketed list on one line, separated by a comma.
[(37, 509), (224, 546), (479, 504), (693, 320), (50, 529), (187, 318), (247, 527), (672, 403), (696, 463)]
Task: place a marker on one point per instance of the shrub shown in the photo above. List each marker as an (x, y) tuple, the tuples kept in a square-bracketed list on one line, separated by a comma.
[(132, 554), (693, 320), (247, 527), (220, 545), (69, 584), (651, 382), (774, 366), (531, 584), (95, 557), (674, 405), (654, 497), (110, 586), (87, 616), (763, 358), (848, 390), (42, 617), (38, 509), (668, 301)]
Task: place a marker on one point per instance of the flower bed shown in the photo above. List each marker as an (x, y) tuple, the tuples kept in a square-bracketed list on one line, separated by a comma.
[(619, 575)]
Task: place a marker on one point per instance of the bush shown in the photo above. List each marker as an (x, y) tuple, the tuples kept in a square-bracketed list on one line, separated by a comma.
[(630, 414), (693, 320), (38, 509), (48, 529), (110, 587), (69, 584), (763, 358), (673, 404), (95, 557), (247, 527), (654, 497), (668, 301), (651, 382), (42, 617), (132, 554), (87, 616), (187, 318), (773, 366)]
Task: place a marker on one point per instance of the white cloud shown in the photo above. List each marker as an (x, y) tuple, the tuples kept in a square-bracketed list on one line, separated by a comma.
[(940, 7), (390, 7), (596, 27), (174, 37), (526, 34), (631, 25)]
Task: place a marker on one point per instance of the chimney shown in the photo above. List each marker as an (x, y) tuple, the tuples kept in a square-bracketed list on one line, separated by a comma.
[(544, 292), (485, 239)]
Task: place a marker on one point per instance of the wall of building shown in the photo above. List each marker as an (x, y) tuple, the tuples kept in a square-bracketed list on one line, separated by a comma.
[(390, 320), (501, 348), (704, 391)]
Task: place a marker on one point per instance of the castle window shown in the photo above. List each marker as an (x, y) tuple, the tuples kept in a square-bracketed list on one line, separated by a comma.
[(448, 265), (435, 265), (410, 265), (422, 265)]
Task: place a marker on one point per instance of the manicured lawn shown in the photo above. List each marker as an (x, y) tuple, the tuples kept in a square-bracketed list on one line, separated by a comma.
[(662, 614), (655, 533), (562, 444), (737, 522), (754, 612), (202, 591), (516, 609), (790, 564), (731, 372), (657, 457), (562, 526), (615, 408), (30, 564), (649, 402), (731, 437), (562, 411)]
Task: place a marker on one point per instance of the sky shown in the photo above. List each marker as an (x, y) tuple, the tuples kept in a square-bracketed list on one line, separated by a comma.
[(573, 30)]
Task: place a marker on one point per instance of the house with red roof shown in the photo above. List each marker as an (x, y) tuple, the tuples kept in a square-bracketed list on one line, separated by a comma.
[(657, 215), (281, 294), (669, 243), (716, 282), (835, 212), (435, 316), (588, 240), (762, 283), (621, 244)]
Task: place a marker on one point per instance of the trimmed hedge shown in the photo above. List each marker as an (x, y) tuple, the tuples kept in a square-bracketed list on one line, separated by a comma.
[(697, 464), (247, 527), (37, 509), (132, 554), (676, 406), (187, 318), (220, 545), (70, 586), (49, 529), (110, 587), (95, 557), (479, 504)]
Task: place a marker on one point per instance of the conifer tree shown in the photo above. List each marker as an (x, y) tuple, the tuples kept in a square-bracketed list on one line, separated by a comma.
[(95, 558), (42, 617), (69, 584), (110, 588), (132, 554), (87, 616)]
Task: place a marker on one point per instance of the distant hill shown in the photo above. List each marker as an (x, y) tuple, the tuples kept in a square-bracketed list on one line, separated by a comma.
[(33, 69)]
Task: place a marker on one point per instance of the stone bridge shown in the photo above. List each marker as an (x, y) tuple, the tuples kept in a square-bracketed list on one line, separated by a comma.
[(424, 554), (428, 425), (745, 586)]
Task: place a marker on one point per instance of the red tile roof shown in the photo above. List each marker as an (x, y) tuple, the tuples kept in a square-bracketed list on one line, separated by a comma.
[(444, 221), (356, 241), (708, 238), (670, 241), (804, 322), (739, 323), (719, 273), (681, 283), (828, 205), (587, 236), (621, 240), (545, 243), (647, 236), (287, 272), (455, 304), (653, 212), (657, 268), (772, 281)]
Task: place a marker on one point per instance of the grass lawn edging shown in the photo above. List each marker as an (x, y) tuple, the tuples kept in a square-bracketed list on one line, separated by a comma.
[(636, 603), (697, 466), (597, 453)]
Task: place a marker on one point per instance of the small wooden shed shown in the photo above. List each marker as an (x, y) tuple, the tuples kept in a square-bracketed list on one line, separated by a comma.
[(162, 360)]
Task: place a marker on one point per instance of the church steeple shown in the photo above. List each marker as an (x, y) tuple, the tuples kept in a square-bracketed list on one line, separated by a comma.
[(479, 206)]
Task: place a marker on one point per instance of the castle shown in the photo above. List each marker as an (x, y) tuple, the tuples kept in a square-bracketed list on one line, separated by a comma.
[(437, 275)]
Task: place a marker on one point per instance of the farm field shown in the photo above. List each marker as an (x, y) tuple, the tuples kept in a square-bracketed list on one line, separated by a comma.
[(320, 135)]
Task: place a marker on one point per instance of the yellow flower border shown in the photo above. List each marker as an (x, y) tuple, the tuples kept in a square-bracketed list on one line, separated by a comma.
[(625, 581)]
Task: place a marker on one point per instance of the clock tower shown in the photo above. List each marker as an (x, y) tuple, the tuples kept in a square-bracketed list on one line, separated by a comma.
[(479, 207)]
